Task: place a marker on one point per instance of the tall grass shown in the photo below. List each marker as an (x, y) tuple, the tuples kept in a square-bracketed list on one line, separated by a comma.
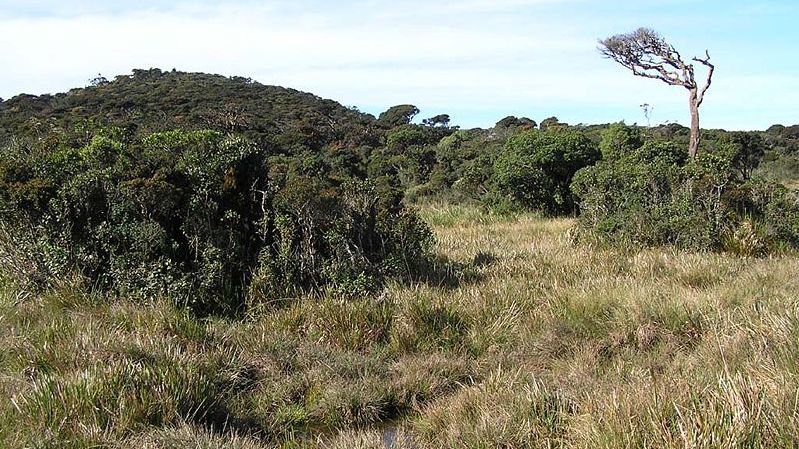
[(532, 341)]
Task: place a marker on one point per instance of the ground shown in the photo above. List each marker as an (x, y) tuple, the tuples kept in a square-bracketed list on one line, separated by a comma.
[(520, 336)]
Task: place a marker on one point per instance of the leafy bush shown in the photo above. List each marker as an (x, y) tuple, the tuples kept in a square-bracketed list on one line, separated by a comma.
[(406, 136), (347, 238), (536, 168), (653, 195), (619, 139), (195, 214)]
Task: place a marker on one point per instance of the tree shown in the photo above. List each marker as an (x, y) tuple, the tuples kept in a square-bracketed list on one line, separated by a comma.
[(749, 149), (99, 80), (397, 115), (513, 121), (550, 122), (646, 53), (441, 120)]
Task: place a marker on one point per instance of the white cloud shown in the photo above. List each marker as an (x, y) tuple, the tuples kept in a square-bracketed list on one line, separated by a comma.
[(473, 58), (249, 42)]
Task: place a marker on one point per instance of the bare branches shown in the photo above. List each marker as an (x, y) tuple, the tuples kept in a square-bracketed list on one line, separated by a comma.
[(642, 65), (711, 69), (646, 53)]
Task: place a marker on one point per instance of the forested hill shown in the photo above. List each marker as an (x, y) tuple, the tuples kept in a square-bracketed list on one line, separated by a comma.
[(154, 100), (319, 137)]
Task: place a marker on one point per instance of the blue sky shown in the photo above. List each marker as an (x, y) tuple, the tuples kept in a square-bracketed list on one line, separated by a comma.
[(477, 60)]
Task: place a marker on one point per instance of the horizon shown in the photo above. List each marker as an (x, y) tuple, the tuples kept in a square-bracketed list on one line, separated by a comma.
[(476, 60)]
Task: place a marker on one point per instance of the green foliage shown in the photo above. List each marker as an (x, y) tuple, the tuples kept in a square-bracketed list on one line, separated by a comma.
[(152, 100), (397, 116), (783, 139), (440, 120), (619, 139), (550, 122), (536, 168), (749, 149), (463, 166), (410, 157), (194, 214), (653, 195), (624, 199), (348, 239), (512, 121), (406, 136)]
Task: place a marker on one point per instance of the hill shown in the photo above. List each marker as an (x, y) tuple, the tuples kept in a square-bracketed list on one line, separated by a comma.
[(153, 100)]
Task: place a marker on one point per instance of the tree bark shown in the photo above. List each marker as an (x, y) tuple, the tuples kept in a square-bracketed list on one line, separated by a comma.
[(693, 103)]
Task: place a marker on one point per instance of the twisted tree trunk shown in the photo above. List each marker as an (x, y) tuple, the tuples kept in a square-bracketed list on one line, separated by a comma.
[(693, 104)]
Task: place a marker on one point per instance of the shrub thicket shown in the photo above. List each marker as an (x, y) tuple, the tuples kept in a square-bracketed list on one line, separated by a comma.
[(651, 193), (536, 168), (201, 216)]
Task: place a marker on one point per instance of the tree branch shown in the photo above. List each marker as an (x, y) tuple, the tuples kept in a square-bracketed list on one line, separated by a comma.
[(647, 54), (711, 69), (639, 65)]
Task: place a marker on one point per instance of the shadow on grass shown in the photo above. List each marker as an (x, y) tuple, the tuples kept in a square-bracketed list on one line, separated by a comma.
[(440, 271), (217, 416), (436, 271)]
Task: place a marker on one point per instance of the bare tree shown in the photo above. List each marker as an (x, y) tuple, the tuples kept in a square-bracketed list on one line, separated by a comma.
[(647, 54)]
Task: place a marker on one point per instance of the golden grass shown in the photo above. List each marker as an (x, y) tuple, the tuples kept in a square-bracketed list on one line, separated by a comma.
[(652, 349), (538, 342)]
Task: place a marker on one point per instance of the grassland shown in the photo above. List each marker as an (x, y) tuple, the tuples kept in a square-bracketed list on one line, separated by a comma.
[(519, 337)]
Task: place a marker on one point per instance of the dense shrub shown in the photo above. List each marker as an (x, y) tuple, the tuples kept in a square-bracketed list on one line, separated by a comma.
[(536, 168), (618, 140), (635, 197), (406, 136), (464, 162), (347, 238), (195, 214), (654, 195)]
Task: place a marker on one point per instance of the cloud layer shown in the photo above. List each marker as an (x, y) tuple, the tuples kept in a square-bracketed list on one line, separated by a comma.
[(476, 59)]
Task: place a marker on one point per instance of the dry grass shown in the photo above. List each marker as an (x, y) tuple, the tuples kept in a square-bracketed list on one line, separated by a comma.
[(530, 341), (651, 349)]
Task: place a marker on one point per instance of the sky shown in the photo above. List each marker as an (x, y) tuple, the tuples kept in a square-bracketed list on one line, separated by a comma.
[(476, 60)]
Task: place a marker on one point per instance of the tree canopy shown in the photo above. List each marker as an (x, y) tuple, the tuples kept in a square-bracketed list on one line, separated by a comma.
[(397, 115)]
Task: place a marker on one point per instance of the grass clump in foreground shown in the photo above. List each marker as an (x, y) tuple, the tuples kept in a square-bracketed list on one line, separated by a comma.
[(538, 343)]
